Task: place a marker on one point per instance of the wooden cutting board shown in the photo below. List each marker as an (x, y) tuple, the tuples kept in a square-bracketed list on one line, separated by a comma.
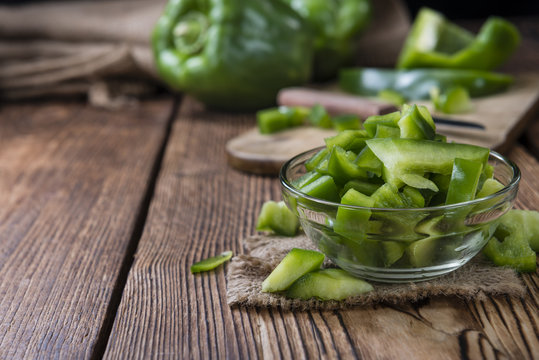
[(504, 117)]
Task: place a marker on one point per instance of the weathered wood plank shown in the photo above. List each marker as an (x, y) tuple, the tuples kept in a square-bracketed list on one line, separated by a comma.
[(72, 182), (201, 207)]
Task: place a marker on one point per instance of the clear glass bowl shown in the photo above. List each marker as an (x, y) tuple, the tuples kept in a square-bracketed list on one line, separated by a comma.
[(401, 245)]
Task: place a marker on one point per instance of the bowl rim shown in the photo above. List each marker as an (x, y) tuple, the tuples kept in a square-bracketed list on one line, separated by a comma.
[(508, 188)]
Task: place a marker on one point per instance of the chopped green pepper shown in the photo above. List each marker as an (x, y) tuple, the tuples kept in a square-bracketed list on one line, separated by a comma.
[(346, 122), (276, 119), (435, 42), (294, 265), (453, 101), (391, 96), (352, 223), (211, 263), (328, 284), (318, 116), (464, 180), (417, 83), (278, 218)]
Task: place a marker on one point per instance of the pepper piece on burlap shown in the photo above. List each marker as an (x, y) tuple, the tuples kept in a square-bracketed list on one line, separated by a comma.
[(475, 280)]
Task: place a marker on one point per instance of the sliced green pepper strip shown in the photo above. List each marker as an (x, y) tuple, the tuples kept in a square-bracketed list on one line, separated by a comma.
[(277, 119), (405, 156), (414, 126), (435, 42), (341, 166), (277, 217), (372, 122), (328, 284), (364, 187), (352, 223), (211, 263), (313, 162), (464, 180), (416, 84), (391, 96), (294, 265), (350, 140), (453, 101), (318, 116), (323, 188), (346, 122)]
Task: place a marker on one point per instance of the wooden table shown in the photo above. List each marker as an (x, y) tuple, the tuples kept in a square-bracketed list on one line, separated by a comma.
[(102, 213)]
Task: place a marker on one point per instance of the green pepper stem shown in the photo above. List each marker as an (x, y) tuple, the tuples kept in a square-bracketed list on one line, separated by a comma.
[(189, 34)]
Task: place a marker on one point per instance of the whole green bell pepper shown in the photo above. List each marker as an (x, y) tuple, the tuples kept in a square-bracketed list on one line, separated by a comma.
[(435, 42), (232, 54), (335, 24), (417, 83)]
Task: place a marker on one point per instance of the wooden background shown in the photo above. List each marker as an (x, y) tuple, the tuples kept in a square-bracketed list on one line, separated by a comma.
[(102, 213)]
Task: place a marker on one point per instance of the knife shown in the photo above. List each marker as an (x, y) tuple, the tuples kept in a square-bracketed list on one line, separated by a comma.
[(339, 103)]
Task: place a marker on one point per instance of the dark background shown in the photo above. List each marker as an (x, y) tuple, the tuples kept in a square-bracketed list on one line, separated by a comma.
[(462, 9)]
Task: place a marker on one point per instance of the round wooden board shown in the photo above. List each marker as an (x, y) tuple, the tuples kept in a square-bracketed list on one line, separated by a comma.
[(265, 154)]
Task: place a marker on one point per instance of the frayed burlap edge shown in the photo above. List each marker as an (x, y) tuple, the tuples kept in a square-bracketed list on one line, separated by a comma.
[(475, 280)]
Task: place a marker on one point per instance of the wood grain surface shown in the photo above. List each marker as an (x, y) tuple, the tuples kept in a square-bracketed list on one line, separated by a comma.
[(72, 184), (202, 207)]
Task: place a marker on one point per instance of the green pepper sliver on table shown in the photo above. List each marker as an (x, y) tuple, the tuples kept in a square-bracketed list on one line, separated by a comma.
[(435, 42), (417, 83), (230, 54)]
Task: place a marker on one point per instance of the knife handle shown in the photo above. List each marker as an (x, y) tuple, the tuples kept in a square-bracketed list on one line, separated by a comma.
[(334, 103)]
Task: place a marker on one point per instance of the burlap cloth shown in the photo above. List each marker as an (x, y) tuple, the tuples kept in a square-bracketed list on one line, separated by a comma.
[(246, 272), (102, 48)]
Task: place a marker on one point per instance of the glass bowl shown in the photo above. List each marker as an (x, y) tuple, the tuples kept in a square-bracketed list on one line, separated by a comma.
[(401, 245)]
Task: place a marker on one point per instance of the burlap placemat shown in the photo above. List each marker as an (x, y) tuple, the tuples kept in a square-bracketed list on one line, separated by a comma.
[(246, 272)]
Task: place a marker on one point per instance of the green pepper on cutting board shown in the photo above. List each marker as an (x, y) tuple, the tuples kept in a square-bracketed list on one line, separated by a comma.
[(417, 83), (232, 54), (437, 43), (335, 23)]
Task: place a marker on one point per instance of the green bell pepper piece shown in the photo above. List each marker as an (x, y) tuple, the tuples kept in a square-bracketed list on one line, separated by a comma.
[(515, 240), (416, 84), (464, 181), (453, 101), (231, 54), (277, 119), (315, 161), (342, 167), (413, 197), (277, 217), (383, 131), (435, 42), (372, 122), (368, 161), (391, 96), (294, 265), (211, 263), (322, 188), (306, 179), (318, 116), (362, 186), (328, 284), (414, 126), (352, 223), (346, 122), (410, 156), (335, 25), (490, 186), (350, 140)]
